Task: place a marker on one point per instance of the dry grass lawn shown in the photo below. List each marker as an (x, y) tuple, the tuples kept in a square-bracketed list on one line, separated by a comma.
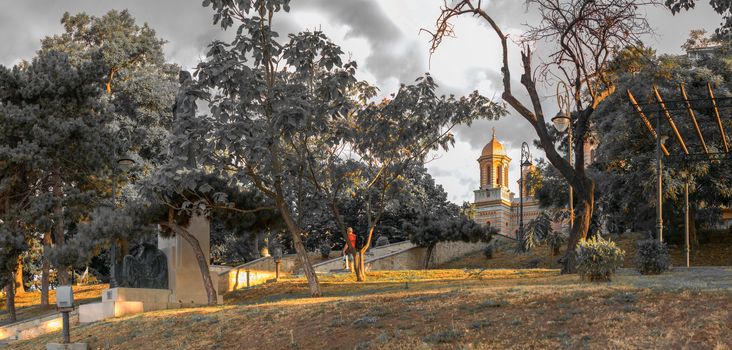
[(28, 304), (441, 309)]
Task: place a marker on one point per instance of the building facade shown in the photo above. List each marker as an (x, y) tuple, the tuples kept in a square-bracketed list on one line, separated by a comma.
[(495, 205)]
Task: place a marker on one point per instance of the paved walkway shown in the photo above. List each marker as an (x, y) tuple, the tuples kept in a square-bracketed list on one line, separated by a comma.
[(693, 278)]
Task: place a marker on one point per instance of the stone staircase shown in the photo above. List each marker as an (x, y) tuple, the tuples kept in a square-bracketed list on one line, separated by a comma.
[(336, 265)]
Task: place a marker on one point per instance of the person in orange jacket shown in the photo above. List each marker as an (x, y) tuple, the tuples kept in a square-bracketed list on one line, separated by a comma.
[(345, 253)]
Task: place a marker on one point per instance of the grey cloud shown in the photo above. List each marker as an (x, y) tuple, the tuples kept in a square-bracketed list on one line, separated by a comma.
[(392, 54), (186, 25)]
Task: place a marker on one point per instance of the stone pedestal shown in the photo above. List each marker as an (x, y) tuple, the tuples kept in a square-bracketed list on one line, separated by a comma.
[(184, 276), (152, 299), (117, 302), (107, 309)]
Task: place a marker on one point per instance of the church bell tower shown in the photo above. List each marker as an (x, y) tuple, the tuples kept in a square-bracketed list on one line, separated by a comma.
[(493, 164)]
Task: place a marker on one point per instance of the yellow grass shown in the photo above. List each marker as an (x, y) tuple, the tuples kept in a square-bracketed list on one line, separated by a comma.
[(28, 304), (442, 309)]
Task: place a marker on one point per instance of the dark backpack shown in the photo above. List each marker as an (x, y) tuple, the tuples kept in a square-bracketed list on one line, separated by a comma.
[(360, 241)]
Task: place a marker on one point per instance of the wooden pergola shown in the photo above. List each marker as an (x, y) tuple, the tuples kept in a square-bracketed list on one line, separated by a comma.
[(664, 108)]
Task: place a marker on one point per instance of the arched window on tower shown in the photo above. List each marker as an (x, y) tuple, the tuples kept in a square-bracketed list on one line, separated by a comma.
[(499, 176), (487, 170), (505, 175)]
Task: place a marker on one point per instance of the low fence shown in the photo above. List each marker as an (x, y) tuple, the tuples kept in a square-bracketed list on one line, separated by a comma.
[(258, 271)]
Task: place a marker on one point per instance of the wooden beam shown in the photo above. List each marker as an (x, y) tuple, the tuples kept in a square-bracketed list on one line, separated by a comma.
[(719, 120), (670, 120), (693, 118), (646, 122)]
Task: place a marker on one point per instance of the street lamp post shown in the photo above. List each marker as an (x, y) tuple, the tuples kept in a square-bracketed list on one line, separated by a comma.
[(123, 163), (525, 161), (687, 248), (563, 121), (277, 257), (660, 140)]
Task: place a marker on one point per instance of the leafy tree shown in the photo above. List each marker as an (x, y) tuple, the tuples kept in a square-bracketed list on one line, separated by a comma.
[(435, 218), (13, 240), (627, 154), (380, 166), (422, 121), (138, 85), (582, 37), (53, 109), (698, 38), (540, 231), (266, 99), (98, 90)]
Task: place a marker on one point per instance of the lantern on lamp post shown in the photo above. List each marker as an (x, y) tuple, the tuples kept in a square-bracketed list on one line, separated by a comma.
[(563, 122), (525, 161)]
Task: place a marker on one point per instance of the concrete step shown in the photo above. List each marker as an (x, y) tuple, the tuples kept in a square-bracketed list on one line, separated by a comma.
[(107, 309)]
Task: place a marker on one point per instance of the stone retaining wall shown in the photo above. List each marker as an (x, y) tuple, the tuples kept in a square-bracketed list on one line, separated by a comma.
[(373, 253), (413, 258), (35, 327), (257, 272)]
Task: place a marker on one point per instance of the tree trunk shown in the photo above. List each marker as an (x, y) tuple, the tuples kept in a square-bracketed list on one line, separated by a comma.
[(360, 257), (257, 254), (693, 233), (428, 256), (581, 226), (45, 269), (10, 300), (236, 280), (359, 265), (59, 226), (200, 259), (295, 232), (124, 248), (19, 277)]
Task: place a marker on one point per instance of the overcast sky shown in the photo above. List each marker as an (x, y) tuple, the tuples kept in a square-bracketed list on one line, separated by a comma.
[(381, 35)]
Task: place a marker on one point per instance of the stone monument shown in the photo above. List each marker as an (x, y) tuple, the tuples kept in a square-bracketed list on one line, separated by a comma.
[(184, 275), (146, 269), (169, 276)]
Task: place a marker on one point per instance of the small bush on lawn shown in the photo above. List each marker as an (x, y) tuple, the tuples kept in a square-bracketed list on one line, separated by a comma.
[(488, 252), (597, 259), (443, 337), (652, 257), (325, 251)]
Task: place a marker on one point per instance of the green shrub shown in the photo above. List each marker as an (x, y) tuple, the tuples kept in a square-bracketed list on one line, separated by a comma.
[(652, 257), (488, 252), (715, 235), (325, 251), (597, 259)]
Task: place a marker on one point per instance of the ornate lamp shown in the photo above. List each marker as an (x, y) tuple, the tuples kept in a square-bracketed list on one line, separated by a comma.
[(561, 122), (126, 162)]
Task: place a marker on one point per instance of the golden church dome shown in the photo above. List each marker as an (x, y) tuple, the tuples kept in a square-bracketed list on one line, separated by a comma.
[(493, 148)]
